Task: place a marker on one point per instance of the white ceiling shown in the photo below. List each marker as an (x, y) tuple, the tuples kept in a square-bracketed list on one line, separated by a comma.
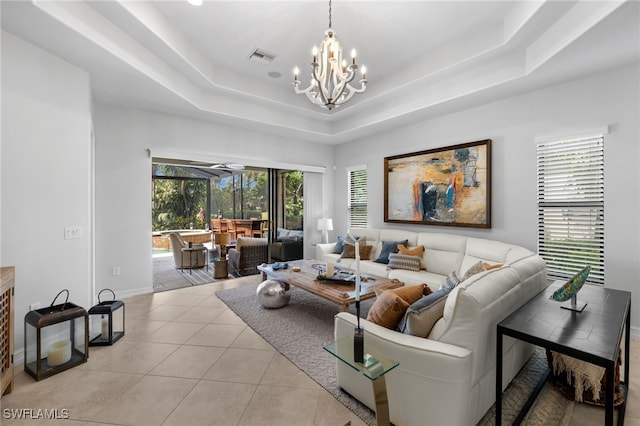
[(424, 58)]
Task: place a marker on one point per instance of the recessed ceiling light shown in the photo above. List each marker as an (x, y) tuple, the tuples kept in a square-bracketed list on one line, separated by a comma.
[(274, 74)]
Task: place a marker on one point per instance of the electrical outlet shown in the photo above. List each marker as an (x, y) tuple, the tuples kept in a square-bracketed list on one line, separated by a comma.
[(72, 232), (34, 306), (116, 270)]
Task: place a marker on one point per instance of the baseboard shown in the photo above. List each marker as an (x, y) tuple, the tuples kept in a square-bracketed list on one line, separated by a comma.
[(133, 292)]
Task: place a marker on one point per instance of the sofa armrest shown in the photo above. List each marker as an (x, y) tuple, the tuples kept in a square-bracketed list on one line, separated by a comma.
[(402, 347), (428, 374), (322, 249)]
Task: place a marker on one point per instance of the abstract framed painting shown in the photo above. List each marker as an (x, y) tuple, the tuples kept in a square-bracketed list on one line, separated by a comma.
[(448, 186)]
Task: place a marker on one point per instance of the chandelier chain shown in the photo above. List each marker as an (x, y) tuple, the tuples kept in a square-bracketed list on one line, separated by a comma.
[(330, 26)]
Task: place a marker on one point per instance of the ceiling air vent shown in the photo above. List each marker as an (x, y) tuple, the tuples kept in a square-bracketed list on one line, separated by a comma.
[(262, 56)]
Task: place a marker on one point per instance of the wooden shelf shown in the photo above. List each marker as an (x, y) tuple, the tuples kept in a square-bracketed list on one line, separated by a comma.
[(7, 307)]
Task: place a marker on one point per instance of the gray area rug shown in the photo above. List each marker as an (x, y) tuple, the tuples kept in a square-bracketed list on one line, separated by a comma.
[(301, 329)]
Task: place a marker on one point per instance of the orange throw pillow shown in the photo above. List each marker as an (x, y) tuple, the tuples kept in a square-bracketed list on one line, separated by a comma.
[(389, 307), (417, 251), (488, 266)]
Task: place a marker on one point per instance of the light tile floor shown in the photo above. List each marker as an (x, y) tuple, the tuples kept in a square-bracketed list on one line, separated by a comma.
[(188, 360)]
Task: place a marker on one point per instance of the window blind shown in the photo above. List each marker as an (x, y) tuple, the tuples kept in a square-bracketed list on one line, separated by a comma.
[(357, 203), (571, 206)]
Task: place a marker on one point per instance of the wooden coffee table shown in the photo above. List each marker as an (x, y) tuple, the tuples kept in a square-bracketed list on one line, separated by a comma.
[(342, 295)]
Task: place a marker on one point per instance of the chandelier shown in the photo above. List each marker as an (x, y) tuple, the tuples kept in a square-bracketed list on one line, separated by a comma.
[(331, 77)]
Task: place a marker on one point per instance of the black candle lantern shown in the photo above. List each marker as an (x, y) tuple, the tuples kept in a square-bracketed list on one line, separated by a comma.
[(107, 321), (55, 338)]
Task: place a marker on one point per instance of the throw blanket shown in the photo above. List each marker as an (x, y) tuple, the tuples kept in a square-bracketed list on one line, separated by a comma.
[(587, 376)]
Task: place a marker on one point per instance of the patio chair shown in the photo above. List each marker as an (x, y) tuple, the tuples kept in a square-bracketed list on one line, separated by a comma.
[(247, 255), (182, 259)]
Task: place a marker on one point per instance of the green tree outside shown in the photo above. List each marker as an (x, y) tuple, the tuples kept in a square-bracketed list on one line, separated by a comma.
[(181, 203)]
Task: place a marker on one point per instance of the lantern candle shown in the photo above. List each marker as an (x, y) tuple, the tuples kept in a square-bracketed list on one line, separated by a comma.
[(105, 328), (59, 353)]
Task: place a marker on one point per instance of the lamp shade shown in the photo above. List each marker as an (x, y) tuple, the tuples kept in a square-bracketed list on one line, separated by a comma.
[(222, 238), (325, 224)]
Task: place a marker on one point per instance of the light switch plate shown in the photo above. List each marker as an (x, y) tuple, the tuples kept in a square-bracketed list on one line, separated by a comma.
[(72, 232)]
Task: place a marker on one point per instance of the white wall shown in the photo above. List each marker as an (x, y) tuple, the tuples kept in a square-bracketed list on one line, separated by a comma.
[(123, 202), (46, 177), (123, 178), (609, 98), (46, 173)]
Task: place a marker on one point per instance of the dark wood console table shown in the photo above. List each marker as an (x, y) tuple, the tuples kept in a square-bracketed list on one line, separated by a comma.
[(593, 335)]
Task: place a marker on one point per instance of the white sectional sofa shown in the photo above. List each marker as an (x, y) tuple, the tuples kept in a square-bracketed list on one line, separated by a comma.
[(447, 378)]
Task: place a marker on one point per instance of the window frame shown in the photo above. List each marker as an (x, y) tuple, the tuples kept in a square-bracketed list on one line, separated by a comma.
[(570, 204), (357, 212)]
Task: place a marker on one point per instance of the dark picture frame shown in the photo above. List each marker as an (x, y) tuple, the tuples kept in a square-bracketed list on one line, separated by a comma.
[(449, 186)]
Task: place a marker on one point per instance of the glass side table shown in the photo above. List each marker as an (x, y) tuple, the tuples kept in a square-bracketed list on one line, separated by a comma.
[(374, 367)]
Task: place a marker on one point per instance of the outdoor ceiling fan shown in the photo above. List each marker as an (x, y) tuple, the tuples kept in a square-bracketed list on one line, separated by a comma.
[(221, 166), (227, 166)]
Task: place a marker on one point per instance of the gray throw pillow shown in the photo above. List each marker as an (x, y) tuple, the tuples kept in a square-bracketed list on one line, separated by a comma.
[(476, 268), (420, 317), (389, 247), (451, 281), (404, 261)]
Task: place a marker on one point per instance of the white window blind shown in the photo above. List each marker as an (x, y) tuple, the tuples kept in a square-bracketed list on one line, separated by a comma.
[(357, 203), (571, 206)]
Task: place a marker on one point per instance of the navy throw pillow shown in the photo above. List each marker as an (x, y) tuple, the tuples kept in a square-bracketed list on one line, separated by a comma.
[(389, 247)]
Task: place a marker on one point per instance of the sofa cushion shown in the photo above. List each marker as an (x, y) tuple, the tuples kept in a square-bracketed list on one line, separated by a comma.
[(388, 247), (404, 261), (331, 257), (416, 277), (371, 267), (289, 239), (420, 316), (390, 305), (443, 252)]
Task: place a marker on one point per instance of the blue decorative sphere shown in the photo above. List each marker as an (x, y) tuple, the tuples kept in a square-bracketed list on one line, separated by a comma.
[(273, 294)]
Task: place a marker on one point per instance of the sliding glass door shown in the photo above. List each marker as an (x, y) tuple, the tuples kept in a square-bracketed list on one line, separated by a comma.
[(258, 202)]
